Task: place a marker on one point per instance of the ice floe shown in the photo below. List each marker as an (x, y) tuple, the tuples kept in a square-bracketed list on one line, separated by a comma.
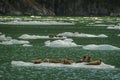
[(27, 36), (93, 24), (77, 34), (100, 47), (73, 65), (26, 45), (61, 43), (114, 27), (14, 41), (37, 23), (4, 38)]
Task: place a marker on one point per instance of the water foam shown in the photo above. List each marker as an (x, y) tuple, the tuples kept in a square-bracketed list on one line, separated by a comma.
[(73, 65), (77, 34), (100, 47), (61, 43)]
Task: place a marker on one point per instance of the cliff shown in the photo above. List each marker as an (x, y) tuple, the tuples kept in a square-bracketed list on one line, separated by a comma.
[(24, 7), (60, 7)]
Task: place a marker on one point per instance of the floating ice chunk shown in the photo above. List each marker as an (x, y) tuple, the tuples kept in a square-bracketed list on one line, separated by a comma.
[(77, 34), (89, 35), (102, 35), (26, 36), (118, 34), (37, 23), (32, 16), (4, 38), (99, 24), (26, 45), (113, 27), (14, 41), (61, 43), (67, 34), (73, 65), (100, 47)]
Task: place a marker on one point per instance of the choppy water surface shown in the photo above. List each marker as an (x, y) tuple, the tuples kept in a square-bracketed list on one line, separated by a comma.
[(18, 52)]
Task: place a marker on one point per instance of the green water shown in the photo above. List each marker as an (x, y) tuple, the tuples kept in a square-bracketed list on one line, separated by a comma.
[(10, 53)]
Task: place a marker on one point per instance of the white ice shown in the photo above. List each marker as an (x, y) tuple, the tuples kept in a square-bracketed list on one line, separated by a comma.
[(37, 23), (26, 45), (61, 43), (73, 65), (100, 47), (4, 38), (77, 34), (113, 27), (93, 24), (14, 41), (27, 36)]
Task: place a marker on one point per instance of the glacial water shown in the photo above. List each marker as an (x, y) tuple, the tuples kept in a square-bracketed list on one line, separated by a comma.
[(18, 52)]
